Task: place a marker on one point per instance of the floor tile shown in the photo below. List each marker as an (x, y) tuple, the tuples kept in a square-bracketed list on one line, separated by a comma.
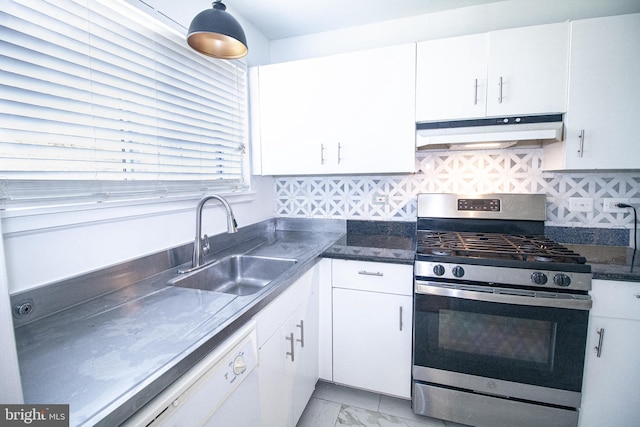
[(353, 416), (402, 408), (334, 405), (347, 396), (320, 413)]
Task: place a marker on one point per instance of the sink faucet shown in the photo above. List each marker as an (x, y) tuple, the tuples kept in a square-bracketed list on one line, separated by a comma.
[(201, 243)]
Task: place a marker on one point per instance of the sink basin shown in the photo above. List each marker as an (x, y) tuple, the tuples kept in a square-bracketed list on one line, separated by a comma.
[(237, 274)]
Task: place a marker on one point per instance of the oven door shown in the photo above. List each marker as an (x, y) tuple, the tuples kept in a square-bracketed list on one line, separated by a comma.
[(521, 344)]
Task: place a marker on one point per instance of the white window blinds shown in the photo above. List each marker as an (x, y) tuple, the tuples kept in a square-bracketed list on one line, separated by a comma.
[(100, 100)]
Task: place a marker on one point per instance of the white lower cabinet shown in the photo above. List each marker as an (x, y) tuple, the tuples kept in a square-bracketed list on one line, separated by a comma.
[(372, 321), (288, 350), (611, 385)]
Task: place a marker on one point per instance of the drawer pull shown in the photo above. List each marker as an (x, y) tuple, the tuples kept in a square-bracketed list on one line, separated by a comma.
[(292, 342), (581, 144), (301, 339), (370, 273), (600, 333), (637, 296)]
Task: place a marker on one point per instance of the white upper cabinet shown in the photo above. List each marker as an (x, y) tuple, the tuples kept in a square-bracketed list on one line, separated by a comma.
[(520, 71), (341, 114), (528, 70), (601, 123), (452, 78)]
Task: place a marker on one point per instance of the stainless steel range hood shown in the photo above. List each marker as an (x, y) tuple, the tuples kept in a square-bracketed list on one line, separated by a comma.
[(489, 133)]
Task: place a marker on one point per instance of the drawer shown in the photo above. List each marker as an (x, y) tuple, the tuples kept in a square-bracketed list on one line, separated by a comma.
[(617, 299), (372, 276)]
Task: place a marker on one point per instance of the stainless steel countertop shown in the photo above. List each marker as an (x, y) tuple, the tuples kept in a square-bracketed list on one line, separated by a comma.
[(109, 356)]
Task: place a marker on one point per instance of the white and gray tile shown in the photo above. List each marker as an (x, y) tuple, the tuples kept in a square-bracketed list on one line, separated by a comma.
[(485, 171), (337, 406)]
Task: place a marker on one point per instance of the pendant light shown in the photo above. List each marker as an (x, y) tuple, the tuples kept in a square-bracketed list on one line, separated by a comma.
[(214, 32)]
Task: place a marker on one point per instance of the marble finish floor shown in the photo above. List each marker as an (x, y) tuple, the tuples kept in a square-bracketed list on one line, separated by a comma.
[(336, 406)]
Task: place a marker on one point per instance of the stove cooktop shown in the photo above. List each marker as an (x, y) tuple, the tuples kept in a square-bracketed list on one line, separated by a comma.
[(496, 249)]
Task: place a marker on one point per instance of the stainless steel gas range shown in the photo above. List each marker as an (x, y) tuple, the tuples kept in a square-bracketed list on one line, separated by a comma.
[(500, 313)]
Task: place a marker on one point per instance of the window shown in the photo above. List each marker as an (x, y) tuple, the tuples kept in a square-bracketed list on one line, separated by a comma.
[(100, 101)]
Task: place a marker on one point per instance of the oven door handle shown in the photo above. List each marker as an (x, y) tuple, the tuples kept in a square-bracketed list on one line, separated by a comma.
[(506, 296)]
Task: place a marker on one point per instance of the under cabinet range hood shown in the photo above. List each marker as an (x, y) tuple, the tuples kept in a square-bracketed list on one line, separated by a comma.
[(489, 133)]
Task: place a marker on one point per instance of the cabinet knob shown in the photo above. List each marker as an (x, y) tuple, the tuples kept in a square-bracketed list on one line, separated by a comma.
[(239, 365)]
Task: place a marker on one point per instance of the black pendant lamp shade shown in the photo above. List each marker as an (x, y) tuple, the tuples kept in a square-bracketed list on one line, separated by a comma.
[(214, 32)]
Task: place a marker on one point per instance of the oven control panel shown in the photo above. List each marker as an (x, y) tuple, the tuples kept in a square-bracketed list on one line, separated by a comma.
[(507, 276), (479, 205)]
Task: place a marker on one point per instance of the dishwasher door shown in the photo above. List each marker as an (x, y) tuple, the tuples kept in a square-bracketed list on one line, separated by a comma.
[(221, 390)]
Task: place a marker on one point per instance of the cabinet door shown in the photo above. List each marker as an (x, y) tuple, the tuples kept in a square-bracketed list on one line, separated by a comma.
[(528, 69), (347, 113), (288, 368), (325, 329), (372, 341), (603, 97), (276, 377), (373, 112), (611, 391), (306, 335), (451, 78), (292, 97)]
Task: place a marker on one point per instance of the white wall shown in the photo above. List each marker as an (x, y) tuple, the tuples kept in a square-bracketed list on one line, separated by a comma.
[(469, 20)]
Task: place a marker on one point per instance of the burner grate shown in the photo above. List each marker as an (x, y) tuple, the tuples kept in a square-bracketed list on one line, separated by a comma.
[(531, 248)]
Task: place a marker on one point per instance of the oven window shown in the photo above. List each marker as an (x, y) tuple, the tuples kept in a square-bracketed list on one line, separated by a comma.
[(532, 345), (526, 340)]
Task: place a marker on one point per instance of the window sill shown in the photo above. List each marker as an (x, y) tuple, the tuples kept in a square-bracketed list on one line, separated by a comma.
[(26, 220)]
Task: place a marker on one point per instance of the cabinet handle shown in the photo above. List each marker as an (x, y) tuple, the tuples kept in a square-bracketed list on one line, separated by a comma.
[(500, 91), (581, 144), (301, 326), (600, 333), (322, 154), (475, 93), (339, 153), (400, 318), (291, 353), (637, 295), (370, 273)]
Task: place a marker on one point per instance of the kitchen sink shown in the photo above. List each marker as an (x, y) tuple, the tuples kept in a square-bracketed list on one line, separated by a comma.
[(237, 274)]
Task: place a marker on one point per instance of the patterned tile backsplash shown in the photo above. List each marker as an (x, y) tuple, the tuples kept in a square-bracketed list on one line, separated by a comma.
[(505, 171)]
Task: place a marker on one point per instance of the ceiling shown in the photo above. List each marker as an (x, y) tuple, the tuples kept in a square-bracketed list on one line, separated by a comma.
[(278, 19)]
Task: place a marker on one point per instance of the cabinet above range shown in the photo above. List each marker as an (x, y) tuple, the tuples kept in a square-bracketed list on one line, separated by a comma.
[(340, 114), (521, 71)]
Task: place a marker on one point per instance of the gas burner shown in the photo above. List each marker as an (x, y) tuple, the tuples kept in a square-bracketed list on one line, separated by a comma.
[(440, 252)]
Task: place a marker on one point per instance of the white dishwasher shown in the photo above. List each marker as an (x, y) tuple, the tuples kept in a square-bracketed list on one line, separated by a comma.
[(220, 391)]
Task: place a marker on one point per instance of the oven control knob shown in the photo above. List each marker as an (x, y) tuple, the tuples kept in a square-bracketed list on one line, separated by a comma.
[(438, 270), (458, 271), (562, 279), (539, 278)]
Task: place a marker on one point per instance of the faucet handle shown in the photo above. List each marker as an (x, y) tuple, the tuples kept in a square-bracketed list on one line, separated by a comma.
[(206, 247)]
